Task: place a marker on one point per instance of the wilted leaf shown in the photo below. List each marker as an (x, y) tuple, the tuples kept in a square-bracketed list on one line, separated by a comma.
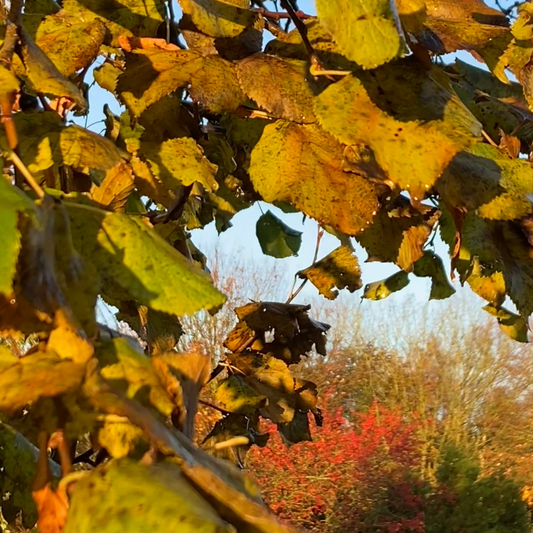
[(38, 376), (340, 269), (45, 77), (141, 18), (366, 32), (276, 238), (127, 495), (398, 234), (69, 42), (219, 18), (310, 162), (431, 266), (283, 87), (379, 290), (510, 323), (413, 153), (160, 69)]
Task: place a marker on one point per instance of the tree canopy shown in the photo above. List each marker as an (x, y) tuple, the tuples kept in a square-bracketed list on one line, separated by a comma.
[(350, 118)]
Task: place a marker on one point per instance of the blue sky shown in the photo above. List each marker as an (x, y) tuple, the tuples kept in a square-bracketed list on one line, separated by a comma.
[(241, 238)]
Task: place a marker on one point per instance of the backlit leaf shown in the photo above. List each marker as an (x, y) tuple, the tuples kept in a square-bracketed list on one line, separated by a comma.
[(310, 162), (276, 238), (412, 153), (159, 69), (398, 234), (283, 87), (365, 31), (8, 81), (12, 202), (379, 290), (141, 18), (131, 254), (113, 498), (219, 18), (45, 77), (431, 266), (113, 192), (70, 43), (510, 323), (340, 269)]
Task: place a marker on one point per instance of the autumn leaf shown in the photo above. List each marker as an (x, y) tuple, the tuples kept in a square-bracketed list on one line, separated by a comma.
[(340, 269), (311, 162), (379, 290), (431, 266)]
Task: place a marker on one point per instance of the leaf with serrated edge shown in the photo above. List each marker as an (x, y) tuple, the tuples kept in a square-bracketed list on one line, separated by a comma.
[(412, 153), (339, 269), (310, 162), (364, 30), (45, 77), (127, 251), (113, 192), (70, 43)]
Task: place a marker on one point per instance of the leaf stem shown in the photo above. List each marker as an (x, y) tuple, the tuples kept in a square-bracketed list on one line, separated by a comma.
[(19, 164)]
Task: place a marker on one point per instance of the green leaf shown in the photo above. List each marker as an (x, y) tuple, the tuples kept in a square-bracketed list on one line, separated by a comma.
[(45, 77), (18, 457), (13, 202), (276, 238), (379, 290), (131, 255), (338, 269), (126, 495), (398, 234), (219, 18), (311, 162), (511, 324), (70, 43), (141, 18), (154, 72), (120, 438), (283, 87), (413, 153), (430, 266), (364, 30)]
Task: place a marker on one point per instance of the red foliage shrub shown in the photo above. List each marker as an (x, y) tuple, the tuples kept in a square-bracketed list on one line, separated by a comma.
[(352, 477)]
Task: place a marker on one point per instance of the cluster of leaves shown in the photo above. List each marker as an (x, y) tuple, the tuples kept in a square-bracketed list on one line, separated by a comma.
[(374, 461), (346, 118)]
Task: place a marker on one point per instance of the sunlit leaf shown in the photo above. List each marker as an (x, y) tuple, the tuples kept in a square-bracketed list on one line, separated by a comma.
[(338, 270), (365, 31), (131, 254), (510, 323), (310, 162)]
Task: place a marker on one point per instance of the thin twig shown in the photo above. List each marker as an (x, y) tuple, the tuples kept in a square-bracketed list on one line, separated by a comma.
[(488, 138), (278, 15), (293, 294), (300, 26), (219, 409), (21, 167)]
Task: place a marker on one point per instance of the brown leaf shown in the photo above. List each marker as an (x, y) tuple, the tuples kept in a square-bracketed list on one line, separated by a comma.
[(52, 507), (510, 144)]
